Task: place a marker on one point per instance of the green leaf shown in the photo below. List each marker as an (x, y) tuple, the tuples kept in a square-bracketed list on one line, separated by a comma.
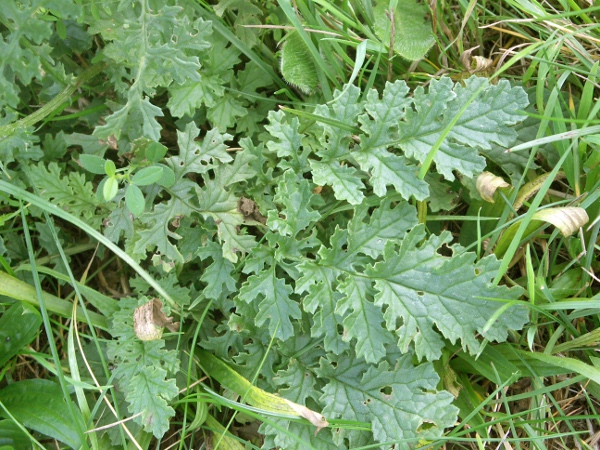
[(39, 405), (198, 157), (136, 118), (142, 369), (413, 34), (12, 436), (427, 291), (386, 224), (185, 99), (147, 175), (155, 152), (380, 125), (110, 189), (72, 192), (218, 276), (19, 325), (92, 163), (485, 120), (344, 180), (134, 199), (168, 176), (297, 65), (296, 195), (109, 168), (400, 402), (275, 306), (288, 143)]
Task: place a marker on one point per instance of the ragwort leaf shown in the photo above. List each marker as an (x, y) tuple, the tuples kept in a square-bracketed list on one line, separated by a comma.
[(296, 195), (400, 402), (486, 120), (425, 290), (276, 306)]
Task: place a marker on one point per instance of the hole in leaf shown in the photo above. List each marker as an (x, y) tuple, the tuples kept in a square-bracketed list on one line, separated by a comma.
[(444, 250), (340, 329), (420, 293), (425, 426), (386, 390), (477, 272)]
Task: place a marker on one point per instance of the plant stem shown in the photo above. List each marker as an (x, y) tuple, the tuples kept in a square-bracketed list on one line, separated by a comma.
[(52, 105)]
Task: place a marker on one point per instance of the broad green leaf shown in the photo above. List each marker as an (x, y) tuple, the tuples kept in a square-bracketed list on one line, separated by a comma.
[(321, 301), (298, 384), (400, 402), (289, 141), (136, 118), (427, 291), (12, 437), (363, 320), (157, 234), (134, 199), (221, 205), (19, 326), (147, 175), (380, 125), (197, 157), (92, 163), (40, 406), (192, 95), (413, 35), (159, 49), (168, 176), (226, 111)]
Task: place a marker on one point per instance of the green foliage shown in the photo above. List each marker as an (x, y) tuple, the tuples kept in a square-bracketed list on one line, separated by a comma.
[(40, 406), (406, 29), (293, 244), (144, 370)]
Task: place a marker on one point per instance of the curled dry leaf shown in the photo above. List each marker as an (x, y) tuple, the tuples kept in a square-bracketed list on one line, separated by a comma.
[(474, 64), (250, 211), (149, 321), (487, 183), (567, 219)]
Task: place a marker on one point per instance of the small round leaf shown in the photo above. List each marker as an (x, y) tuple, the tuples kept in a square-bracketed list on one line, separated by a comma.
[(155, 152), (147, 175), (110, 188), (134, 199), (92, 163)]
